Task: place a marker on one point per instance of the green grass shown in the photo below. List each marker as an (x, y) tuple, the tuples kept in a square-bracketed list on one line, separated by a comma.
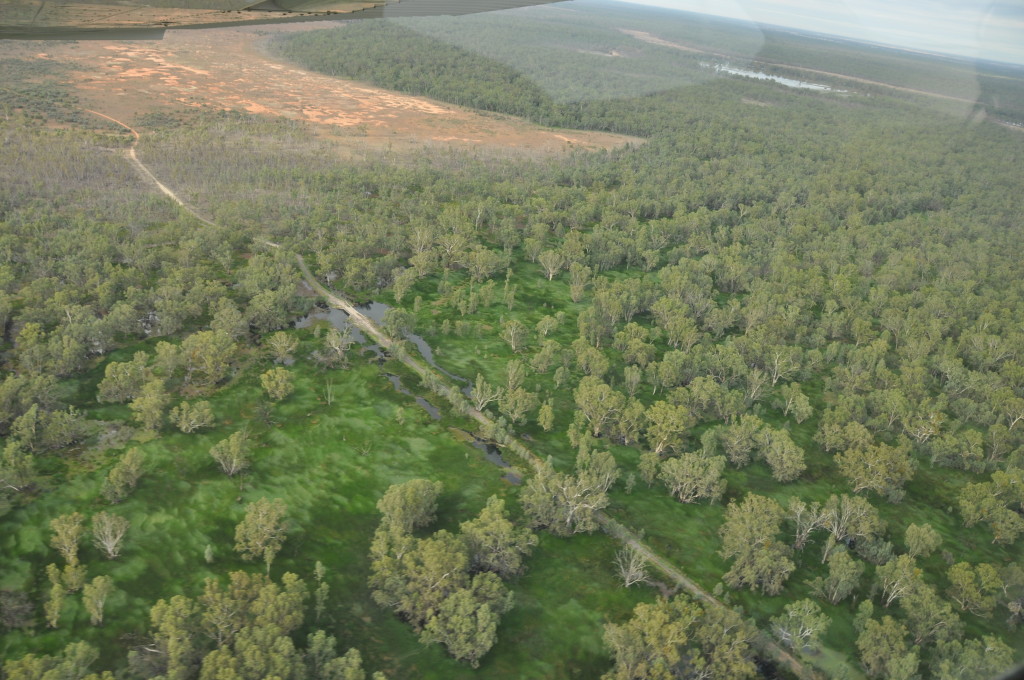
[(330, 464), (688, 534)]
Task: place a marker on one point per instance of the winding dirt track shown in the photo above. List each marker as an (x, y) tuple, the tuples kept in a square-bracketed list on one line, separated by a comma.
[(149, 176), (611, 527)]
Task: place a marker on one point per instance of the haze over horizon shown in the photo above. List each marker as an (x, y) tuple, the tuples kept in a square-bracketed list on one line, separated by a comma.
[(979, 30)]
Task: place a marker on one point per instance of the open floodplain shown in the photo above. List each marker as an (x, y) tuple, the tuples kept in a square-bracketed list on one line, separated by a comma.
[(754, 347)]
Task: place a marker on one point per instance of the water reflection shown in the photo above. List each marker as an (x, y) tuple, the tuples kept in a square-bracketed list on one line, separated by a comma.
[(435, 413), (376, 311), (789, 82), (338, 319), (493, 455)]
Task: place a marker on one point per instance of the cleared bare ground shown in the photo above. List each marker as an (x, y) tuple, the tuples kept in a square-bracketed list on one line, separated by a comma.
[(226, 69)]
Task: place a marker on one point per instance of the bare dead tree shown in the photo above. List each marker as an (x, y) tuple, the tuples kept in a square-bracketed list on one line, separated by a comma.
[(632, 566), (108, 532)]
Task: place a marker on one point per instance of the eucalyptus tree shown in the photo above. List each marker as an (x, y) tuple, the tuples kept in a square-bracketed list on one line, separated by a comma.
[(191, 416), (921, 540), (692, 477), (598, 403), (801, 625), (277, 383), (566, 504), (495, 543), (67, 533), (262, 531), (108, 531), (750, 538), (884, 651), (410, 505), (124, 476), (150, 407), (233, 454), (94, 597), (843, 579)]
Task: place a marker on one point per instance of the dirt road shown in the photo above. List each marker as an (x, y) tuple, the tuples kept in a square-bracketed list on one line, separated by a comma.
[(763, 643), (147, 174)]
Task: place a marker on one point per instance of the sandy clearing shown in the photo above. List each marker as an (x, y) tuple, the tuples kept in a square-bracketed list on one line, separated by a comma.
[(226, 69), (655, 40)]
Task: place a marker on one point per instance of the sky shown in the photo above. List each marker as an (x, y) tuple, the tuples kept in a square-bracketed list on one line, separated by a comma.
[(972, 28)]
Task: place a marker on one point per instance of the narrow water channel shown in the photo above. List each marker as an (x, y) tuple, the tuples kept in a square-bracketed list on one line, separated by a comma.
[(493, 455), (339, 319), (433, 411), (375, 310)]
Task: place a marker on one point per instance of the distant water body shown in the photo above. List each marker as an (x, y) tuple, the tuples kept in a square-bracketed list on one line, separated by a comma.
[(789, 82)]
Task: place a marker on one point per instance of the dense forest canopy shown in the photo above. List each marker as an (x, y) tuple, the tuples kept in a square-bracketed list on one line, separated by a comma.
[(773, 352)]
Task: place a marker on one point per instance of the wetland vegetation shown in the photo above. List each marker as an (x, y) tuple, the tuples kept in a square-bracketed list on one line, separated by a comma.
[(779, 341)]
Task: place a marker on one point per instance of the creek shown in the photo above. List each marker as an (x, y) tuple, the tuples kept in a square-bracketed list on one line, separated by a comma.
[(433, 411), (493, 455), (375, 310), (339, 319)]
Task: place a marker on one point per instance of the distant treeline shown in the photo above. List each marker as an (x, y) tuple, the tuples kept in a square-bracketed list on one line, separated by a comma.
[(394, 56), (388, 54), (554, 67)]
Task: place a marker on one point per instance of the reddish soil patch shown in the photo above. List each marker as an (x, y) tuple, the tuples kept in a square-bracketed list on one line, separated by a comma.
[(655, 40), (225, 69)]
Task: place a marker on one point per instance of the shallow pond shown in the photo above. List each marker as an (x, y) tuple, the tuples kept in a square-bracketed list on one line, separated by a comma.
[(789, 82)]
